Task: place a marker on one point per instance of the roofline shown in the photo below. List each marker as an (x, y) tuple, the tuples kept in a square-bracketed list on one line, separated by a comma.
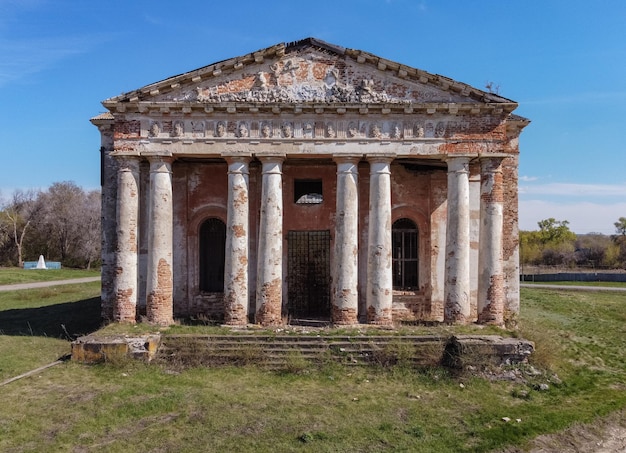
[(277, 50)]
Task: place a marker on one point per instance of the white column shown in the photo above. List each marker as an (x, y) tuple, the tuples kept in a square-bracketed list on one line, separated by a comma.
[(270, 255), (345, 303), (490, 274), (379, 266), (457, 278), (125, 280), (237, 227), (159, 285)]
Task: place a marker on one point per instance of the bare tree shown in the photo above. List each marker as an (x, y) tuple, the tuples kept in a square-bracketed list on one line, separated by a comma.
[(89, 247), (62, 209), (70, 224), (18, 215)]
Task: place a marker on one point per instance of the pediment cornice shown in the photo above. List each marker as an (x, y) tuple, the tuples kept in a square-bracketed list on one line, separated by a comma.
[(303, 75)]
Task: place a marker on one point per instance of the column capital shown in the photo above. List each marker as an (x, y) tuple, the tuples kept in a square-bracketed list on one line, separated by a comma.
[(270, 157), (380, 157), (158, 156), (272, 164), (124, 155), (127, 162), (237, 155), (458, 164), (491, 164), (347, 158), (238, 165)]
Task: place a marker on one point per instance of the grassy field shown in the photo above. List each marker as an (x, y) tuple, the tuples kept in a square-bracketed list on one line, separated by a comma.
[(134, 407), (36, 325), (569, 283), (12, 275)]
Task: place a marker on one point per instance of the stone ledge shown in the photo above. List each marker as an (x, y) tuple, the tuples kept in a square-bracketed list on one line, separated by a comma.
[(457, 352), (93, 349), (462, 351)]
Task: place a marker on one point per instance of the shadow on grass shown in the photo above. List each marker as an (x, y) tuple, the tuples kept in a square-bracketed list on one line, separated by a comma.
[(68, 320)]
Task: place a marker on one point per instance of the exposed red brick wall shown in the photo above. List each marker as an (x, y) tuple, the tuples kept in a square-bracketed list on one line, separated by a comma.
[(126, 129)]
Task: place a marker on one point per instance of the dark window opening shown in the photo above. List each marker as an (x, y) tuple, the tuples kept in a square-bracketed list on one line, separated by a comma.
[(212, 253), (404, 243), (307, 191)]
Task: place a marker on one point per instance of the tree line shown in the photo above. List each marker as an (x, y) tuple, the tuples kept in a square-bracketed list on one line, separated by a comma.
[(61, 223), (554, 244)]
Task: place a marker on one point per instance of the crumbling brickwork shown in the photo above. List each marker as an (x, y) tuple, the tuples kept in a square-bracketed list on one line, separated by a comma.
[(318, 133)]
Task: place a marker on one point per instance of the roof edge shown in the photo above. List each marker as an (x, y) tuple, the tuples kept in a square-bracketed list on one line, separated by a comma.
[(215, 69)]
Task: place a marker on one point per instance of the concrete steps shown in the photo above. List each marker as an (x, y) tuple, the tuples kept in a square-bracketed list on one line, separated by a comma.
[(301, 350), (276, 351)]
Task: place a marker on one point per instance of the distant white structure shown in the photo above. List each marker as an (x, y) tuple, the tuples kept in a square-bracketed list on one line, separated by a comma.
[(41, 264)]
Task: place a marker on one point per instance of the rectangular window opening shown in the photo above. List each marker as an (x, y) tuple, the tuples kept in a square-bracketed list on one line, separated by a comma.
[(308, 191)]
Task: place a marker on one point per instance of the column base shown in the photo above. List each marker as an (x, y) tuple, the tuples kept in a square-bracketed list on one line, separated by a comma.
[(236, 315), (487, 318), (379, 319), (344, 316), (269, 316)]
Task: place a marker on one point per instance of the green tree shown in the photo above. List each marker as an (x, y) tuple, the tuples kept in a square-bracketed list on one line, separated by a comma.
[(555, 232), (530, 247), (620, 226), (620, 239)]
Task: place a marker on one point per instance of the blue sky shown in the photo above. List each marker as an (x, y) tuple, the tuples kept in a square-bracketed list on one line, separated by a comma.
[(564, 61)]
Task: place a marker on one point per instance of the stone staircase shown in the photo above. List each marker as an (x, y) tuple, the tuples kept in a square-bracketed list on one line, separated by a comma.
[(276, 351), (300, 350)]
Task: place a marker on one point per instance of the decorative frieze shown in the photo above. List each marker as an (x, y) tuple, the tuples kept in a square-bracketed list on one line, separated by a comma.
[(267, 128)]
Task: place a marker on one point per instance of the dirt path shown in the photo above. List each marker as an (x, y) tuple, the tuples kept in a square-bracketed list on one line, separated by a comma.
[(33, 285), (607, 435)]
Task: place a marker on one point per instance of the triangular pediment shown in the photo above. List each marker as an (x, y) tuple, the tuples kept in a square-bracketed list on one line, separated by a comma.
[(309, 72)]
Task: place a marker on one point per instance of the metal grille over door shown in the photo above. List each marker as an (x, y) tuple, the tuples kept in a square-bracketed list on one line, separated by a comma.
[(309, 273), (405, 257)]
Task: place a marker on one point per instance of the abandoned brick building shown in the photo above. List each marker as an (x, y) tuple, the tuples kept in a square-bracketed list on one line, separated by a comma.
[(310, 181)]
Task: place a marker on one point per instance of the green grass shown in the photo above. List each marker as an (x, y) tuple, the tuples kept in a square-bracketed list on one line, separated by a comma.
[(13, 275), (570, 283), (134, 407), (35, 325)]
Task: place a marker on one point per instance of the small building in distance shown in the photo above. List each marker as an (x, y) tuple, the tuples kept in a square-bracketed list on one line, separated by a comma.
[(310, 181)]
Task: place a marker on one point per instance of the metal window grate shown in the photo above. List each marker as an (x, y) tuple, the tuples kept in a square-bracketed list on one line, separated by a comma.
[(404, 242), (309, 273)]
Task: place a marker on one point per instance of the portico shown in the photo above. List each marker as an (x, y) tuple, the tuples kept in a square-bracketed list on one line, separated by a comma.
[(306, 180)]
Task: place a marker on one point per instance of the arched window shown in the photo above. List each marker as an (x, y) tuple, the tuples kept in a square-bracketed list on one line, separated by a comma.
[(404, 242), (212, 252)]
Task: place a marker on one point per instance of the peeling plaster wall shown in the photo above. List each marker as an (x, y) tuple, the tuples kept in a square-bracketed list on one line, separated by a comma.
[(310, 102), (200, 193), (181, 238), (511, 240), (108, 176), (411, 198)]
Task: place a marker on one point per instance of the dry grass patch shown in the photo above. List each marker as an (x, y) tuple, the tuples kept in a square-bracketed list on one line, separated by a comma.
[(133, 407)]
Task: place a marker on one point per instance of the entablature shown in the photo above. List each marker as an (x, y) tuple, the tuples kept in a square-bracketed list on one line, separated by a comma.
[(277, 108), (429, 149)]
